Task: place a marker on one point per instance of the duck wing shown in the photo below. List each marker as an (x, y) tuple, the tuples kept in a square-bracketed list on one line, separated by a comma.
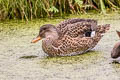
[(78, 29), (70, 24)]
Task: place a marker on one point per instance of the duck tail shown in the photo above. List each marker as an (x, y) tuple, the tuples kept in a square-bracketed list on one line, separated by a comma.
[(101, 29)]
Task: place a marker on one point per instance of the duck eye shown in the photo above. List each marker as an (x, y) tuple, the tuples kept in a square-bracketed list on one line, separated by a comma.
[(44, 28), (41, 30)]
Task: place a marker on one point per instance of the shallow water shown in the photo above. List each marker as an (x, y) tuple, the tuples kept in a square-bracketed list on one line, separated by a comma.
[(21, 60)]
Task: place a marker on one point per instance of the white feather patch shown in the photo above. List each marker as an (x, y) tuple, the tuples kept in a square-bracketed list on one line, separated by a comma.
[(93, 34)]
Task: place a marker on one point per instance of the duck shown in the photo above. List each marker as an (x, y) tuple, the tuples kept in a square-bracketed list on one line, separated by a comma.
[(70, 37), (115, 53)]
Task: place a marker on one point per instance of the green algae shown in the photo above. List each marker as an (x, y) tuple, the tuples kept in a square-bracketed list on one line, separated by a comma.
[(21, 60)]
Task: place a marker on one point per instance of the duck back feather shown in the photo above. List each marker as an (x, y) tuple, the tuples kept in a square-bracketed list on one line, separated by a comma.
[(66, 25)]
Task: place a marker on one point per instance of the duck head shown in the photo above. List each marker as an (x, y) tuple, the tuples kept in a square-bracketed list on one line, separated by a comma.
[(115, 54), (118, 33), (47, 31), (116, 51)]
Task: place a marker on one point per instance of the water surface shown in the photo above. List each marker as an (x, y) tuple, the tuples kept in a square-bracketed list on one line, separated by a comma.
[(21, 60)]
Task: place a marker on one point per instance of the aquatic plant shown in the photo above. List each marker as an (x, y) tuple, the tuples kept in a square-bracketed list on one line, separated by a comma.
[(29, 9)]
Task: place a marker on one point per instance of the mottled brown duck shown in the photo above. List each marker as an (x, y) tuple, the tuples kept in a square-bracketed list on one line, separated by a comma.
[(70, 37), (115, 54)]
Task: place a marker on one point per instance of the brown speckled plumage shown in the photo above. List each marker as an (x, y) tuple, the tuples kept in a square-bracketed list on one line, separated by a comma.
[(76, 26), (68, 38)]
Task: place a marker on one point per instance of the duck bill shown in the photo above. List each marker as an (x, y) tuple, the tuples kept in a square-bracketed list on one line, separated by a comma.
[(36, 39)]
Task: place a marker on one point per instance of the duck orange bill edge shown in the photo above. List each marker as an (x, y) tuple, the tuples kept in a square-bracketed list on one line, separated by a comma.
[(36, 40)]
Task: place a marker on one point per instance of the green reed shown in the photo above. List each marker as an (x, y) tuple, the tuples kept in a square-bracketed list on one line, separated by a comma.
[(29, 9)]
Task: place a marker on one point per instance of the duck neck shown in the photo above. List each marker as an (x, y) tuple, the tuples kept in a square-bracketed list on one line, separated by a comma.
[(48, 42), (51, 37)]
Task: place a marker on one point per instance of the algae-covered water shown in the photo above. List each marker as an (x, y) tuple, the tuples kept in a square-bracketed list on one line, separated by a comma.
[(22, 60)]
